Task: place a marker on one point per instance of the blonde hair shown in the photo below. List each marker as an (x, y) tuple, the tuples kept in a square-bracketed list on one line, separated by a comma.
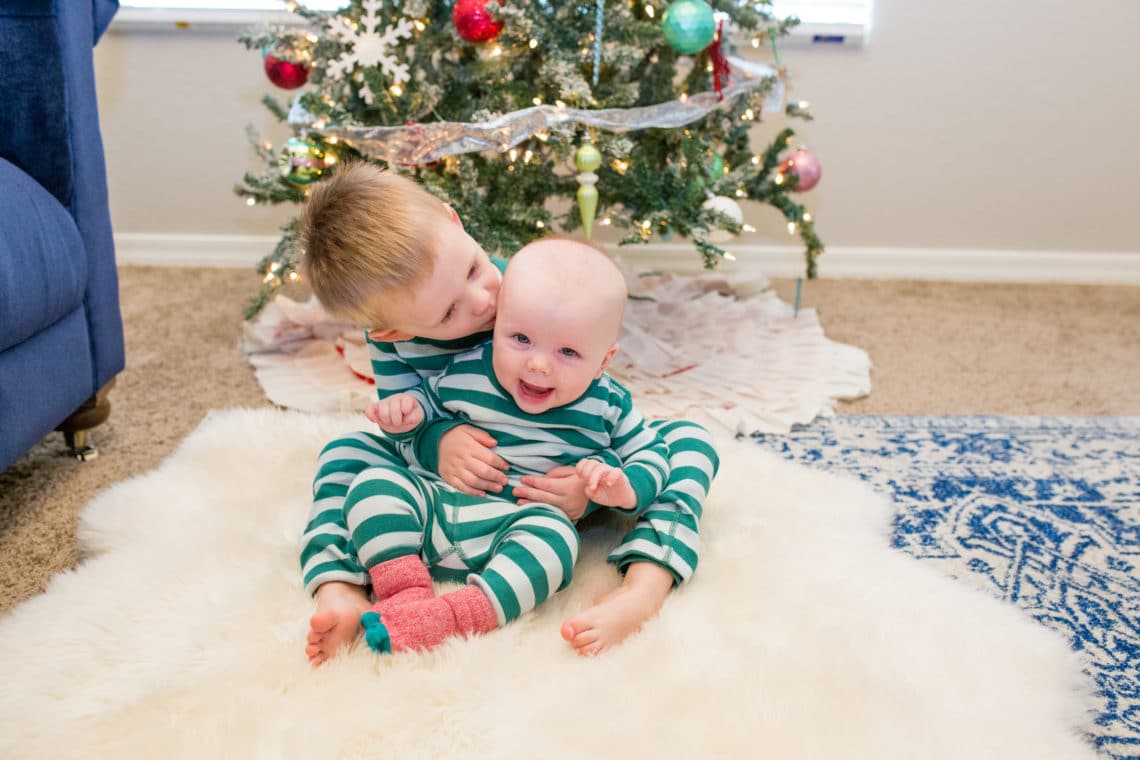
[(365, 231)]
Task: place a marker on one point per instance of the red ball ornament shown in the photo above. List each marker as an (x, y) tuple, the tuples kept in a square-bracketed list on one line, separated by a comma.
[(806, 168), (285, 73), (473, 21)]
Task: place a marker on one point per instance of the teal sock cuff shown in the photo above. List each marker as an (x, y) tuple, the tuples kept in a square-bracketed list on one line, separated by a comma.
[(375, 633)]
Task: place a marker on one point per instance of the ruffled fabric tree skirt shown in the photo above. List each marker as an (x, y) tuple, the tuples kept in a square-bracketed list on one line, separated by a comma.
[(711, 348)]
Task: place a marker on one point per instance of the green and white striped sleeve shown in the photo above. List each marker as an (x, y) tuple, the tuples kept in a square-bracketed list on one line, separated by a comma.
[(644, 453)]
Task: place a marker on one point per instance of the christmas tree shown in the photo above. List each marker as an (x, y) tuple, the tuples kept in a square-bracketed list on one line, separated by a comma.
[(637, 113)]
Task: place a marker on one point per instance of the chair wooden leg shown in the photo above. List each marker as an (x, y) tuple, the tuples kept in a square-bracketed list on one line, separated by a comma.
[(94, 411)]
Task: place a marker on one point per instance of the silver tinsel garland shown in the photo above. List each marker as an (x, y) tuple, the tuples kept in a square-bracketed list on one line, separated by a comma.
[(423, 143)]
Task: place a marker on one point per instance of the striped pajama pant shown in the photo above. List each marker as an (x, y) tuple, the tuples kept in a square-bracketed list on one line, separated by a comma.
[(518, 556), (666, 532)]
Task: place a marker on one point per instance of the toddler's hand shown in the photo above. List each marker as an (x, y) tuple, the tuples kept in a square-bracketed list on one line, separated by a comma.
[(467, 462), (561, 487), (607, 485), (396, 414)]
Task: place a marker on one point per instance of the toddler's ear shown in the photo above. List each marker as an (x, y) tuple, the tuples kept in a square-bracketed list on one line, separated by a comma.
[(454, 216), (388, 335)]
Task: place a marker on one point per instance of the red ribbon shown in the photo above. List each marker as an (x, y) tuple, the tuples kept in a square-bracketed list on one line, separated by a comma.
[(719, 62)]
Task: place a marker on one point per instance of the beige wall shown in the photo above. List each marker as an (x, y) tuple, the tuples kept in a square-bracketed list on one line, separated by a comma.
[(959, 125)]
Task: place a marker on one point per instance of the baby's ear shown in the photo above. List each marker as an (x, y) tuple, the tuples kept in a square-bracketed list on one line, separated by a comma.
[(609, 357)]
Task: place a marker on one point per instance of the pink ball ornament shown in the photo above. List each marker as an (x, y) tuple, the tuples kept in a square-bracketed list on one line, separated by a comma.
[(806, 168), (473, 22)]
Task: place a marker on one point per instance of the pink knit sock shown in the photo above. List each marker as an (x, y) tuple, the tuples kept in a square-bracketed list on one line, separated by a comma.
[(399, 581), (424, 624)]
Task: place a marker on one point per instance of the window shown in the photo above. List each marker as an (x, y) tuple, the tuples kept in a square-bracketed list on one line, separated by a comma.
[(823, 20), (809, 11), (854, 12)]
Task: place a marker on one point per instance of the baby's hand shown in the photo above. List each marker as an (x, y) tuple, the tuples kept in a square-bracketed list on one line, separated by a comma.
[(467, 462), (607, 485), (562, 487), (396, 414)]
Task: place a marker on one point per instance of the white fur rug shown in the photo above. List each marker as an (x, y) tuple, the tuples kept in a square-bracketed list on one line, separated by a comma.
[(802, 636)]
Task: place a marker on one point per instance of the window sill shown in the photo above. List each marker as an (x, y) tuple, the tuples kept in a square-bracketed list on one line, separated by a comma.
[(196, 20)]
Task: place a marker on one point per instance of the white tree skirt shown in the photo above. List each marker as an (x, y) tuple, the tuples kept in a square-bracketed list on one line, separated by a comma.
[(707, 347)]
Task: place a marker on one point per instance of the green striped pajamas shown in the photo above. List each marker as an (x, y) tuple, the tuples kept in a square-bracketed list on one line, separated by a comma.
[(518, 556), (601, 424), (666, 533)]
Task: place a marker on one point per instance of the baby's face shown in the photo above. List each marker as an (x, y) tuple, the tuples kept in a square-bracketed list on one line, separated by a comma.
[(458, 298), (549, 347)]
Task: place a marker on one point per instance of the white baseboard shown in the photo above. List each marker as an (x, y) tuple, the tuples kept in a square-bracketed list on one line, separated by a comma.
[(978, 265)]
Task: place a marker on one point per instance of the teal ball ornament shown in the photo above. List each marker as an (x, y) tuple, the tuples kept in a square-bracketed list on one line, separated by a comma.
[(689, 26)]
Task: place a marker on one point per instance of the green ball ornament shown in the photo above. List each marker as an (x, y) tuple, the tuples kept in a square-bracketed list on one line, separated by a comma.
[(301, 162), (689, 26), (587, 158)]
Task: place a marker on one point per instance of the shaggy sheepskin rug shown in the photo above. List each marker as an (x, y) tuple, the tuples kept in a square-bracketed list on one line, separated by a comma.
[(802, 635)]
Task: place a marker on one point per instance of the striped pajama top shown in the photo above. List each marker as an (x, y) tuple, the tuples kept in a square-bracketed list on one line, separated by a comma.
[(601, 424)]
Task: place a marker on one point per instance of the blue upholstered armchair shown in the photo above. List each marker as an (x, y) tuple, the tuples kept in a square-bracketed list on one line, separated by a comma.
[(61, 335)]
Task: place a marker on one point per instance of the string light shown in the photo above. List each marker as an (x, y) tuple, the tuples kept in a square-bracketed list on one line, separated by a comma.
[(540, 224), (396, 90), (606, 222), (807, 216), (537, 101), (649, 10), (420, 26), (740, 192), (251, 201), (293, 276), (792, 228), (497, 51), (729, 256), (779, 179), (533, 44), (756, 160)]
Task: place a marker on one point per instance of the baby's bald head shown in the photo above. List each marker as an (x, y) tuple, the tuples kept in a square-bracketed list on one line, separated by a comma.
[(569, 272)]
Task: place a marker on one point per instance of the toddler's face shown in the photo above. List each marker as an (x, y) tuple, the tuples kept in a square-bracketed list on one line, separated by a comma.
[(549, 347), (458, 298)]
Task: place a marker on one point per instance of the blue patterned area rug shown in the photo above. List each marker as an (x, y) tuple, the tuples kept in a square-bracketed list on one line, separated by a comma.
[(1041, 511)]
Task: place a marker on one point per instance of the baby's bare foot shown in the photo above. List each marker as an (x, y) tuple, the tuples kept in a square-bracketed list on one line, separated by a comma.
[(614, 617), (336, 623), (619, 614)]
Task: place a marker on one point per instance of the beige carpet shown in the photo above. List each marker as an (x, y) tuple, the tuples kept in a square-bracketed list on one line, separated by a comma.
[(938, 348)]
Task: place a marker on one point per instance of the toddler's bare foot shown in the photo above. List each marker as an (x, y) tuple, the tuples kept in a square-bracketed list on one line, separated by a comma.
[(336, 623), (620, 613)]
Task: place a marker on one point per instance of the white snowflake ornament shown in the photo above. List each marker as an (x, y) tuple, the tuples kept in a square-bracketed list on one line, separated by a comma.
[(369, 47)]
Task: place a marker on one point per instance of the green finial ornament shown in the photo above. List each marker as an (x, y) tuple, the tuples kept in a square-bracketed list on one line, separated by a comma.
[(586, 160)]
